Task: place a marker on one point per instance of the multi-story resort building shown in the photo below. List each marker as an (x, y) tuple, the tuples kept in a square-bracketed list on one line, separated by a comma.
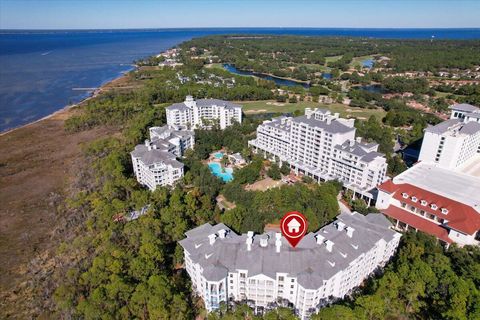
[(323, 146), (203, 113), (435, 200), (440, 194), (155, 162), (265, 271), (454, 142)]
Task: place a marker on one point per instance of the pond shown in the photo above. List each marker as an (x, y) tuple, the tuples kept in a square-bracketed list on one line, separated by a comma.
[(368, 63), (373, 88), (225, 174), (278, 81)]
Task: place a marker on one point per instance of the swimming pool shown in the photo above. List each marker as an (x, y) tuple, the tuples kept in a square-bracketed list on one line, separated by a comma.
[(218, 155), (226, 175)]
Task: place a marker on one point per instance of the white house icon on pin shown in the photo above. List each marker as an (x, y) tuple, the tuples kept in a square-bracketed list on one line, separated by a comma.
[(293, 226)]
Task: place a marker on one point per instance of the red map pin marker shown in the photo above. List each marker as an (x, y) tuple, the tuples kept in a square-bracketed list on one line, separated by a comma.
[(294, 226)]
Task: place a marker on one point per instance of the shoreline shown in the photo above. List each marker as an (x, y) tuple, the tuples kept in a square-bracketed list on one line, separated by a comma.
[(67, 108)]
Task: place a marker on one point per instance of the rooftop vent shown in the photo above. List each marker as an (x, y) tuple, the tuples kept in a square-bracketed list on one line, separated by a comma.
[(211, 238), (329, 245), (319, 238), (222, 233), (278, 241), (264, 241), (249, 242), (350, 231)]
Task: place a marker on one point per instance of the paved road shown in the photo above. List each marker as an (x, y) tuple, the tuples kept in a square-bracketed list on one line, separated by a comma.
[(343, 208)]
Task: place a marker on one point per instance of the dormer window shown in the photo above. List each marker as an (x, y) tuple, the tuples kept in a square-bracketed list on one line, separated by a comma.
[(414, 199), (404, 195), (444, 211), (423, 202), (433, 206)]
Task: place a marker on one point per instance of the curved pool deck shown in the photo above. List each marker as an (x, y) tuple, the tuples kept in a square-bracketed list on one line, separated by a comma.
[(226, 175)]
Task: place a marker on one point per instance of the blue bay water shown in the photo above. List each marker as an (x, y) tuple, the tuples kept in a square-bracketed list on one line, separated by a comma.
[(40, 69)]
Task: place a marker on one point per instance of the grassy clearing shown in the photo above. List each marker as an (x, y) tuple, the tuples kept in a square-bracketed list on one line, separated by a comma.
[(267, 106), (214, 65), (333, 58)]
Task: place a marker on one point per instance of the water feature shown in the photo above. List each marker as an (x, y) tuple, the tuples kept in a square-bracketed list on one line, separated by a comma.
[(278, 81), (368, 63), (226, 174), (218, 155), (373, 88)]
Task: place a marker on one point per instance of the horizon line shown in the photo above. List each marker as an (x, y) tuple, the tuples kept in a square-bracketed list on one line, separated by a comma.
[(204, 28)]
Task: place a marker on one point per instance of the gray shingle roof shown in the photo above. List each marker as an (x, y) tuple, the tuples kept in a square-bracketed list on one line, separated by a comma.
[(454, 124), (334, 126), (178, 106), (204, 103), (464, 107), (149, 157), (210, 102), (358, 151), (309, 261)]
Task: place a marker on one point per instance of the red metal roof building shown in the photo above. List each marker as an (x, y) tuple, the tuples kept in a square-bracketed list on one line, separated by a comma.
[(442, 203)]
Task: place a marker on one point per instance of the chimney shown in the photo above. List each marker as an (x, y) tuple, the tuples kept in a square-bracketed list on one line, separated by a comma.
[(336, 115), (249, 244), (211, 238), (278, 242), (329, 120), (358, 139), (149, 148), (319, 238), (147, 143), (329, 245), (350, 231), (340, 226), (250, 234), (222, 233), (264, 241), (351, 142)]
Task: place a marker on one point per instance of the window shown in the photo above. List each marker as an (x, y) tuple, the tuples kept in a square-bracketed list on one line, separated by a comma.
[(404, 195), (280, 278), (433, 206)]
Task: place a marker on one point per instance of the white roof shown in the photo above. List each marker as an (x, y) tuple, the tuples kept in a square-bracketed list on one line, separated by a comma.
[(451, 184)]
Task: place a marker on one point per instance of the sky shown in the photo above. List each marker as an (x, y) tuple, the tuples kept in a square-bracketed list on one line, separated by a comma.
[(123, 14)]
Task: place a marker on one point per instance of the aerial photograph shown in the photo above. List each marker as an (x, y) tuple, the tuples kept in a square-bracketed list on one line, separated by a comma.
[(240, 159)]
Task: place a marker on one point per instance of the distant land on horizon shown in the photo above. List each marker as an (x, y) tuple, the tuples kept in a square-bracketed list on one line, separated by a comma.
[(40, 68)]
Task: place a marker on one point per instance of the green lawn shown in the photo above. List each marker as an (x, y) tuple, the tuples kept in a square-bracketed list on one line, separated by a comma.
[(333, 58), (265, 106)]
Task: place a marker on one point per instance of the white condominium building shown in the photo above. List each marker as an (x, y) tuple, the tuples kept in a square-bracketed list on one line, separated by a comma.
[(453, 142), (154, 162), (266, 272), (323, 147), (203, 113)]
